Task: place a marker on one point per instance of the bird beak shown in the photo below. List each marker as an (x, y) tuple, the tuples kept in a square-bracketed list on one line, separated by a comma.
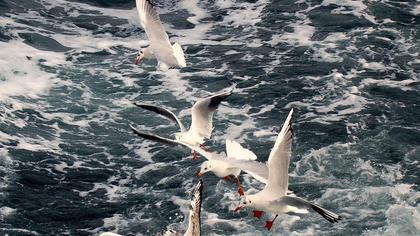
[(137, 61), (238, 208), (199, 174)]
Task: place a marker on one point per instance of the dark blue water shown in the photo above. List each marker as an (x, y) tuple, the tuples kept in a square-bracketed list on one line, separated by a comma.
[(70, 166)]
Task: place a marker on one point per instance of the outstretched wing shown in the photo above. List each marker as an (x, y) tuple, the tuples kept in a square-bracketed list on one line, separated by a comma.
[(164, 112), (202, 114), (170, 142), (159, 40), (194, 225), (257, 170), (296, 204), (236, 151), (278, 161)]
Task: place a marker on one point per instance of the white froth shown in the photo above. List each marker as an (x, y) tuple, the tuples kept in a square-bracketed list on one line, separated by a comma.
[(22, 77), (356, 8), (416, 10), (6, 211), (4, 157)]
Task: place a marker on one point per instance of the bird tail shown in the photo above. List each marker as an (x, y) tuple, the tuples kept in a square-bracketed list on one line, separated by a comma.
[(328, 215), (179, 54)]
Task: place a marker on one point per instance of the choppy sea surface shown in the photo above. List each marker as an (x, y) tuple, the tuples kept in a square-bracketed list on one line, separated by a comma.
[(70, 166)]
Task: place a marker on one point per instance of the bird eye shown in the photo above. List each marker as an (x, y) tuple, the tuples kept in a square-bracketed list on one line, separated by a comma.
[(205, 168), (141, 51), (244, 203)]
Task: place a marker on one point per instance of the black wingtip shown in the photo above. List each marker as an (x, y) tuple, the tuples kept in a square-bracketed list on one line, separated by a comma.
[(331, 217), (153, 137), (217, 99), (150, 2)]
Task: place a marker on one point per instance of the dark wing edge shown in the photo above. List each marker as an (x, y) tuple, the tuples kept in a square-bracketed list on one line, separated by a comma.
[(299, 202), (215, 100), (154, 137), (169, 142), (194, 225), (162, 111)]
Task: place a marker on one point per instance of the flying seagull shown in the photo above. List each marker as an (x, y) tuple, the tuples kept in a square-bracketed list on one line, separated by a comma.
[(273, 197), (201, 119), (236, 159), (160, 47), (194, 225)]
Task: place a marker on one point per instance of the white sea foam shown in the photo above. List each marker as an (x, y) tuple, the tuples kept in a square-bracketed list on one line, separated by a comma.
[(416, 10), (356, 8), (404, 85), (23, 77), (244, 13), (6, 211), (4, 157)]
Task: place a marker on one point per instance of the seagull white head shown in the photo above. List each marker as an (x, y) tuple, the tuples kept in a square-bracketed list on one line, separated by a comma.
[(143, 53), (205, 167), (139, 56), (247, 201)]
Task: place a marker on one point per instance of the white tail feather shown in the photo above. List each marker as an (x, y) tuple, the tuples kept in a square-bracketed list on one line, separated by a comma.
[(179, 55)]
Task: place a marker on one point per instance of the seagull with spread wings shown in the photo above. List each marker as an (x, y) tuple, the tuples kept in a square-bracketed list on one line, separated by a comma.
[(194, 224), (201, 119), (160, 47), (273, 197)]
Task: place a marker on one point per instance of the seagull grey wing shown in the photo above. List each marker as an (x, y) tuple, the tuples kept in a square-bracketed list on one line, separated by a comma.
[(278, 161), (300, 203), (164, 112), (170, 142), (194, 224), (202, 114), (159, 40), (256, 169)]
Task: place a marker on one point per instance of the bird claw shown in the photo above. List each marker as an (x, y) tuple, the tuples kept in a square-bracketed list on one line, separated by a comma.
[(258, 214), (204, 147), (269, 225), (194, 156), (241, 191)]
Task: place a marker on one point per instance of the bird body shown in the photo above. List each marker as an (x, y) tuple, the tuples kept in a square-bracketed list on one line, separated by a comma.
[(160, 47)]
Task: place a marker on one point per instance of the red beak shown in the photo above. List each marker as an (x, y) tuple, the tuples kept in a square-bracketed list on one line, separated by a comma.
[(238, 208), (137, 61)]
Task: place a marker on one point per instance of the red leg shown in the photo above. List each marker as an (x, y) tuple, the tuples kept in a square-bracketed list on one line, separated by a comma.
[(204, 147), (258, 214), (240, 188), (194, 154), (269, 224), (227, 178)]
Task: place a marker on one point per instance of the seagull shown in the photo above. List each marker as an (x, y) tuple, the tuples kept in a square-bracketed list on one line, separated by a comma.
[(273, 197), (220, 168), (160, 47), (201, 119), (223, 166), (194, 225)]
